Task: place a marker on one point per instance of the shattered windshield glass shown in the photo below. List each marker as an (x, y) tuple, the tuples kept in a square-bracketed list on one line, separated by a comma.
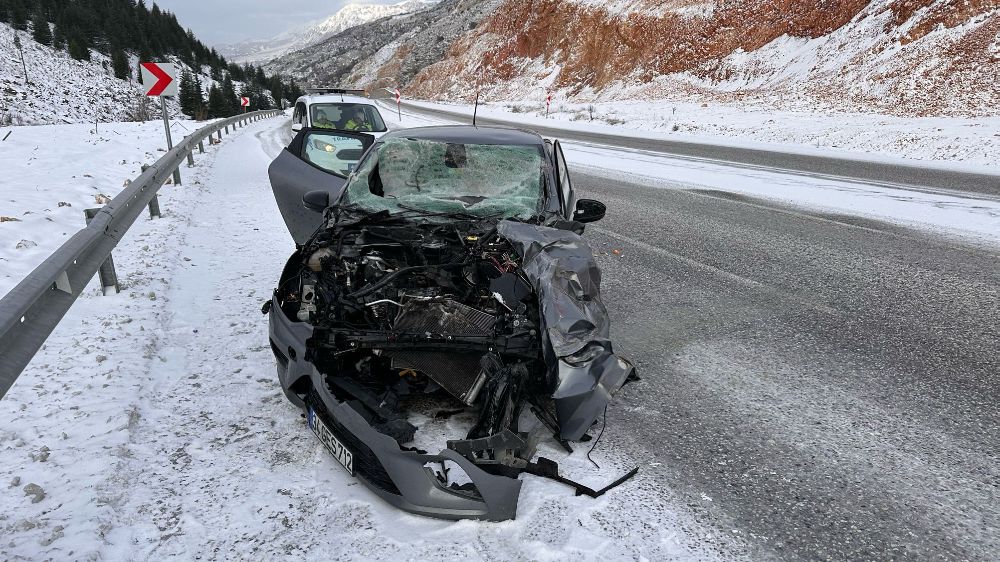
[(442, 177)]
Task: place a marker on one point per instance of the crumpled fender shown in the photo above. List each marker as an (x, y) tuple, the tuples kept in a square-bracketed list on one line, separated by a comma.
[(582, 366)]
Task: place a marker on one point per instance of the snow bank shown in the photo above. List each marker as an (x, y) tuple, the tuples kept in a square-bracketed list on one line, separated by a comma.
[(53, 172)]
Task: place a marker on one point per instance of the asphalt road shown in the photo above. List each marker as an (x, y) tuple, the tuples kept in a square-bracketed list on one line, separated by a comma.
[(816, 387), (927, 177)]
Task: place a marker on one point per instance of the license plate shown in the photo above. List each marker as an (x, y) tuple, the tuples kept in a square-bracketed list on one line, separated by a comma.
[(326, 437)]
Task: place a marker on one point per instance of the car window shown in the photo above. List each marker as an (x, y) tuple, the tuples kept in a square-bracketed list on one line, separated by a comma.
[(334, 153), (347, 117)]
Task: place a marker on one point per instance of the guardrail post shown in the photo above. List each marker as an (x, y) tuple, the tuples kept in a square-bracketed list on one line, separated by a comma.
[(154, 203), (190, 159), (201, 147), (220, 134), (154, 207), (227, 131), (106, 273)]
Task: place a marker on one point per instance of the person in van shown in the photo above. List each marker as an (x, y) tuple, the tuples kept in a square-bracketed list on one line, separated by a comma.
[(322, 120), (358, 122)]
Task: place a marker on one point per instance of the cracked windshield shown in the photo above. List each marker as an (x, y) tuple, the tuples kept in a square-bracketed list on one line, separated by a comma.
[(437, 177)]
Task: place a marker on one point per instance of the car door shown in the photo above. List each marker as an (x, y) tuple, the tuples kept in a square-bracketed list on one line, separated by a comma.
[(316, 159), (566, 194)]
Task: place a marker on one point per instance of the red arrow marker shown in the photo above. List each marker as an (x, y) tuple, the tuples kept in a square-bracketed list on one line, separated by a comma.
[(162, 78)]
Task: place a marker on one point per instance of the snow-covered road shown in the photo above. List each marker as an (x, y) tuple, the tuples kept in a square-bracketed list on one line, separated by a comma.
[(151, 424)]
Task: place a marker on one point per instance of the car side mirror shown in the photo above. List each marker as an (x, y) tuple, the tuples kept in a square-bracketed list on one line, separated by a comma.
[(316, 200), (296, 127), (589, 210)]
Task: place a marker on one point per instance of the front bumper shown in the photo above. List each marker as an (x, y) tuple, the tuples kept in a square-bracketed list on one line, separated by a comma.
[(400, 477)]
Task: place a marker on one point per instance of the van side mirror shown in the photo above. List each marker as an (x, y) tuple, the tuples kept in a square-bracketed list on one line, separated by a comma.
[(317, 200), (296, 127), (589, 210)]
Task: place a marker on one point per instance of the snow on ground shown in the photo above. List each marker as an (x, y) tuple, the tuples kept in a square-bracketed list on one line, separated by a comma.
[(961, 215), (151, 425), (972, 142), (53, 172)]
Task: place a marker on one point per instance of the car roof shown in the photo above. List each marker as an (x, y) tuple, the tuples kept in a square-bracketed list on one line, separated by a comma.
[(468, 134)]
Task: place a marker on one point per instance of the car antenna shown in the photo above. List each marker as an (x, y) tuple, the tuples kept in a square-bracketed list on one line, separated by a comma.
[(475, 109)]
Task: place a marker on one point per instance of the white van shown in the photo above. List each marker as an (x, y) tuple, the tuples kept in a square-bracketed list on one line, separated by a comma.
[(333, 108)]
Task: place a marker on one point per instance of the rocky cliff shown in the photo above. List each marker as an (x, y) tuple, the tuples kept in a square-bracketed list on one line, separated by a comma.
[(914, 57)]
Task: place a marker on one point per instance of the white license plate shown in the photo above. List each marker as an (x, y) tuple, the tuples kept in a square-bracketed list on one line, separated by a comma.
[(336, 448)]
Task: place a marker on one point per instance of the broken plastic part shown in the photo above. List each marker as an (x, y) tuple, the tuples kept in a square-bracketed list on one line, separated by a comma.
[(547, 468)]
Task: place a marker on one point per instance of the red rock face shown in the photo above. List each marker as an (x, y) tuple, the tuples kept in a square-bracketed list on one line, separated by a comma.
[(593, 49)]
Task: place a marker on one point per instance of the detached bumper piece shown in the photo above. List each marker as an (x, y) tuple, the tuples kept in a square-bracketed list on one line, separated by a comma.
[(446, 485)]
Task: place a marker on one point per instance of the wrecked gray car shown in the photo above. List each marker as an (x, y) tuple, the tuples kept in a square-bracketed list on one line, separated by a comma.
[(440, 262)]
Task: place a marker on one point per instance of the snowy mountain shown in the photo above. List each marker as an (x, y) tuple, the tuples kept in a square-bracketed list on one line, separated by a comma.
[(388, 51), (912, 57), (262, 50)]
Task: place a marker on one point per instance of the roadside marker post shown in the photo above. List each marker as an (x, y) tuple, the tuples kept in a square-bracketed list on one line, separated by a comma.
[(159, 79), (399, 111), (548, 102)]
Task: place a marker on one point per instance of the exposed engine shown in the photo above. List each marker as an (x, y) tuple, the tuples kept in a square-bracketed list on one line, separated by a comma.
[(401, 307)]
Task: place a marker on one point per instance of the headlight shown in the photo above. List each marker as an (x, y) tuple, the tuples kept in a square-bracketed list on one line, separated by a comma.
[(324, 146)]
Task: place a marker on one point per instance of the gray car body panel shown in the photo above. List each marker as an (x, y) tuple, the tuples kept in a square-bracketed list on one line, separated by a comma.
[(561, 268), (291, 178)]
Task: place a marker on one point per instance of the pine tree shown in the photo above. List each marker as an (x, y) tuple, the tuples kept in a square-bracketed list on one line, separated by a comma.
[(120, 64), (185, 94), (41, 32), (198, 97), (18, 16), (78, 47), (217, 106), (58, 36), (229, 93)]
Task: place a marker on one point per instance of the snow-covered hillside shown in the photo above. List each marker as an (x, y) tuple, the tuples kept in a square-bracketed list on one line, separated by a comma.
[(62, 90), (262, 50)]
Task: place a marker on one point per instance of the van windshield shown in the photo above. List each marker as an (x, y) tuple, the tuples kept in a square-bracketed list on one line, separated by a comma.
[(346, 117)]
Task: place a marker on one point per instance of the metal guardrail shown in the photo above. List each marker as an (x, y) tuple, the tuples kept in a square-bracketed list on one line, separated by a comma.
[(32, 309)]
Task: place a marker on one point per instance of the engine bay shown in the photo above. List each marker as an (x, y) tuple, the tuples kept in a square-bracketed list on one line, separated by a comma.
[(402, 307)]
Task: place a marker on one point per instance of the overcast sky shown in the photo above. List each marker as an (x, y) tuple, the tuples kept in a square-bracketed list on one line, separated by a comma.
[(230, 21)]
